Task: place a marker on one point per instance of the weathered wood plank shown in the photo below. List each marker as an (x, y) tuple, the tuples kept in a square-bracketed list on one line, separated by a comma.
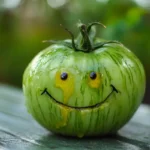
[(19, 131)]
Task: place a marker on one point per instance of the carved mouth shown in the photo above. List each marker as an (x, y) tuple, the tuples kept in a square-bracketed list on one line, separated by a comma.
[(45, 91)]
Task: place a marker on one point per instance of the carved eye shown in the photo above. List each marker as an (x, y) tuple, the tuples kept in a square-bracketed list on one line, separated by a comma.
[(64, 76), (93, 75)]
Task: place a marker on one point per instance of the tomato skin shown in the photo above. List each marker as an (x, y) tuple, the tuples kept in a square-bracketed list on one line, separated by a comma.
[(80, 105)]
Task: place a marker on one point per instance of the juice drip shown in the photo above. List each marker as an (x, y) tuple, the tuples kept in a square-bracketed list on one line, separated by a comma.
[(64, 116)]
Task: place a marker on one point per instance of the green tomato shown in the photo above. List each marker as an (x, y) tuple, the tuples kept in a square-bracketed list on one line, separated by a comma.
[(84, 87)]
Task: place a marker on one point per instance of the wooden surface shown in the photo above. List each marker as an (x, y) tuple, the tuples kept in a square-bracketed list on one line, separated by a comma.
[(19, 131)]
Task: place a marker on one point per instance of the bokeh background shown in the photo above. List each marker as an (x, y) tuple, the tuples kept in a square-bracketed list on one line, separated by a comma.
[(24, 24)]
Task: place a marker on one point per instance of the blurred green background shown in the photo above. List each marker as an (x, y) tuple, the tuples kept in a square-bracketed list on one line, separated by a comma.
[(24, 24)]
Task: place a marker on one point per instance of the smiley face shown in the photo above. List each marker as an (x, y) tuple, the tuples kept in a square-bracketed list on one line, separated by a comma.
[(65, 81)]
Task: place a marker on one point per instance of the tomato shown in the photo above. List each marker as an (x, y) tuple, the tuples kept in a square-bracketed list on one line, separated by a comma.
[(84, 87)]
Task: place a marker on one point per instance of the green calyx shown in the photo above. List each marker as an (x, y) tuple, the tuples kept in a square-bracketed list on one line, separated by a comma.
[(85, 40)]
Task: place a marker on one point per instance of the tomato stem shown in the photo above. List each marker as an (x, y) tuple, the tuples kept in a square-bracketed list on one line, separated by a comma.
[(86, 43)]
